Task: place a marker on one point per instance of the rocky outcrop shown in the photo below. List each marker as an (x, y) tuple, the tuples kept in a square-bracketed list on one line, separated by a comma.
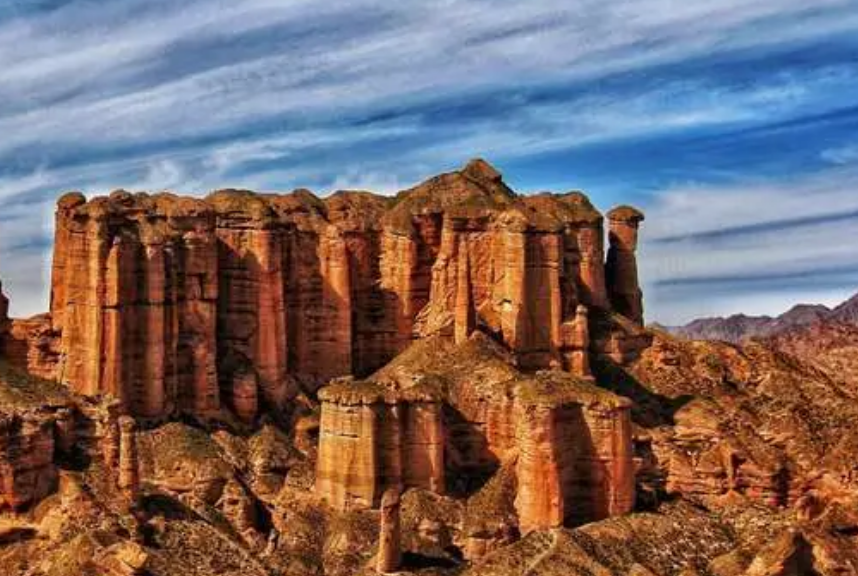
[(373, 439), (622, 269), (389, 553), (180, 305), (571, 441), (134, 291), (38, 430), (27, 469), (33, 346)]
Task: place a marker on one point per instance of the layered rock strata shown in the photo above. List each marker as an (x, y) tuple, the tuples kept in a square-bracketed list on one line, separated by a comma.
[(571, 441), (175, 304), (38, 431), (129, 475), (28, 472), (389, 552), (373, 439)]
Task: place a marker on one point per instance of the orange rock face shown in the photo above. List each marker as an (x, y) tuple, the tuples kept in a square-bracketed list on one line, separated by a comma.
[(372, 440), (27, 469), (622, 270), (446, 415), (180, 305), (32, 345), (134, 294)]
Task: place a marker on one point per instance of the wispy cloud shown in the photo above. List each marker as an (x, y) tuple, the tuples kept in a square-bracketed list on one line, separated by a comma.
[(635, 99), (715, 247)]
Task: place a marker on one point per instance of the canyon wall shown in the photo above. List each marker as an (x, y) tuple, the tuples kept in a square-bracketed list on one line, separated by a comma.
[(371, 441), (238, 300), (445, 416)]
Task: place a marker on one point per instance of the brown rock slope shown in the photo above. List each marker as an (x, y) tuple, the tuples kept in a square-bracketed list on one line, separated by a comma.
[(831, 346)]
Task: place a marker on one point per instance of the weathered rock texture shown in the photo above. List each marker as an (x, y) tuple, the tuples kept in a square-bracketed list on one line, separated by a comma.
[(373, 439), (129, 475), (622, 271), (175, 304), (464, 410), (389, 552), (37, 429)]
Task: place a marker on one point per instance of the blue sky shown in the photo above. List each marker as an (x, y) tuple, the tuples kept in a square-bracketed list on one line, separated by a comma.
[(733, 124)]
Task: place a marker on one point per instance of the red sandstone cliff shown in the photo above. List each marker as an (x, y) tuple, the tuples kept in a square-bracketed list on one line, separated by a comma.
[(175, 304), (486, 370)]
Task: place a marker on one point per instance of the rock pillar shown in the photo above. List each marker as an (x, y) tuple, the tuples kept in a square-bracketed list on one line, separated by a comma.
[(576, 343), (464, 312), (389, 551), (592, 265), (110, 443), (622, 269), (129, 480)]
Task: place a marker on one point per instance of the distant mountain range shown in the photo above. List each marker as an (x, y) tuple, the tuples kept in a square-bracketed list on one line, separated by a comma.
[(740, 326)]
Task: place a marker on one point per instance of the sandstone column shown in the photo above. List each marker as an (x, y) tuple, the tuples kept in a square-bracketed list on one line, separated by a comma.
[(539, 498), (337, 300), (197, 346), (592, 265), (63, 232), (129, 480), (576, 343), (270, 339), (389, 547), (154, 398), (398, 265), (423, 446), (622, 269), (110, 442), (612, 478), (348, 460), (464, 306), (512, 291)]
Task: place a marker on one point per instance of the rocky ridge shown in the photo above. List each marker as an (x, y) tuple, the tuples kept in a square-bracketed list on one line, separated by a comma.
[(453, 381), (740, 326)]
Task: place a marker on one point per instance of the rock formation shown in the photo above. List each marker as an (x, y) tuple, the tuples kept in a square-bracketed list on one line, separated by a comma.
[(572, 440), (180, 305), (259, 374), (389, 553), (622, 269), (372, 439), (129, 475), (28, 472)]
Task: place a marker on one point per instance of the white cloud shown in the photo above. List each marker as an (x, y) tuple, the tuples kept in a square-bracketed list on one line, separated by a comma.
[(751, 246), (106, 75)]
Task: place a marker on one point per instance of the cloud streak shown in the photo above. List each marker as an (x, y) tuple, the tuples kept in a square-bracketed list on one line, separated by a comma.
[(646, 101)]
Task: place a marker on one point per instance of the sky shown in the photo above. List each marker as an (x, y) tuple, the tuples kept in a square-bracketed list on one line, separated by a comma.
[(732, 124)]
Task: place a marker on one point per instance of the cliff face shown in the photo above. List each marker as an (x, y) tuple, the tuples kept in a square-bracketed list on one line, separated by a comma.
[(37, 430), (175, 304), (446, 417), (488, 385)]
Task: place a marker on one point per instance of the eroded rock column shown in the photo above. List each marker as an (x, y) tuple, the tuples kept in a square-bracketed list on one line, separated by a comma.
[(464, 312), (576, 343), (539, 499), (347, 465), (591, 244), (129, 479), (622, 269), (389, 546)]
